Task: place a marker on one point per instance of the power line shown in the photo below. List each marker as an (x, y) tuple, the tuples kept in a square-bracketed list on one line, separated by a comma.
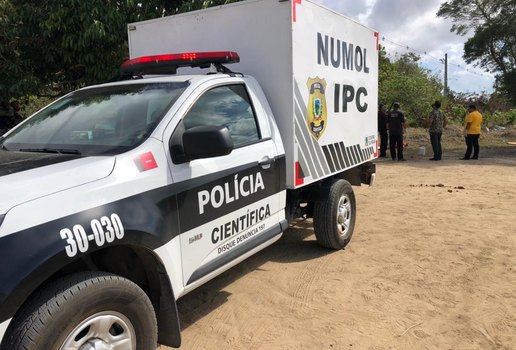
[(407, 47), (426, 54)]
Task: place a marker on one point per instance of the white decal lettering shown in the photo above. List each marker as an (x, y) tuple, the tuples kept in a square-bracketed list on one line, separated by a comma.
[(81, 238), (217, 191), (239, 224), (71, 246), (106, 229), (230, 191), (259, 183), (237, 193), (204, 198), (229, 199), (242, 182)]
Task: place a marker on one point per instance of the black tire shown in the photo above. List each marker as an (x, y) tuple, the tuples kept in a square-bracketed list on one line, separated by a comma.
[(334, 219), (84, 308)]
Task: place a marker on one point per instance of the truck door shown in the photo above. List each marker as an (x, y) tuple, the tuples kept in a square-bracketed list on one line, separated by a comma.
[(228, 205)]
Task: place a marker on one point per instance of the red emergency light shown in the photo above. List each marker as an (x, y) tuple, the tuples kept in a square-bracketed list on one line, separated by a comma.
[(168, 63)]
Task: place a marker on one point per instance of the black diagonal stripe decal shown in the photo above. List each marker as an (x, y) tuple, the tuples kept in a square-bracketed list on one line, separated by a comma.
[(357, 153), (328, 158), (344, 153), (341, 157), (351, 155), (334, 156)]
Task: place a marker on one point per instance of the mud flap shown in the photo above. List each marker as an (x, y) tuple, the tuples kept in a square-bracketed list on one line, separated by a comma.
[(169, 328)]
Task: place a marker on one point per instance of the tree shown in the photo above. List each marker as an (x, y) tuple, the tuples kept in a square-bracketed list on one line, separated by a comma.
[(11, 67), (51, 47), (404, 81), (493, 44)]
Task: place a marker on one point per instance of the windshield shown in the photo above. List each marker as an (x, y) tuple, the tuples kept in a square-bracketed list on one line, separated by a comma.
[(103, 120)]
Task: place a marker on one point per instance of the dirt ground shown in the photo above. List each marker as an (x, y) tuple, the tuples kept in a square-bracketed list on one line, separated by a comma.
[(431, 266)]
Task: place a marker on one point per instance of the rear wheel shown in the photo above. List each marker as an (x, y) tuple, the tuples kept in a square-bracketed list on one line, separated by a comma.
[(334, 218), (85, 311)]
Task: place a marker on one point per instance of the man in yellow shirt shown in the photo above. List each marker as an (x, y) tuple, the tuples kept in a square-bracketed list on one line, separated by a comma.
[(472, 132)]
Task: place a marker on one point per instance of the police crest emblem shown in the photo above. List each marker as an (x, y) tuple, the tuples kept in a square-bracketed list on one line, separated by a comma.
[(316, 114)]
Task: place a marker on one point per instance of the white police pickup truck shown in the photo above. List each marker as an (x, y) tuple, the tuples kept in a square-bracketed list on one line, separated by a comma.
[(118, 199)]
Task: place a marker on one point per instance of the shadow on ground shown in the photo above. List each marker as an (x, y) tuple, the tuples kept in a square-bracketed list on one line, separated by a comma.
[(297, 244)]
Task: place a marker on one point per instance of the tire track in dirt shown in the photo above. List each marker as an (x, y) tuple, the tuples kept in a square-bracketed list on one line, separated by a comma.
[(304, 284)]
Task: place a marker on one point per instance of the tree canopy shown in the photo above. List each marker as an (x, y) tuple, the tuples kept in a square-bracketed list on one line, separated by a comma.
[(403, 80), (493, 44), (48, 48), (56, 46)]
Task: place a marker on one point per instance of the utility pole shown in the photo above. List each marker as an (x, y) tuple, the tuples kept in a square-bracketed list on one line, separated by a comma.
[(445, 93)]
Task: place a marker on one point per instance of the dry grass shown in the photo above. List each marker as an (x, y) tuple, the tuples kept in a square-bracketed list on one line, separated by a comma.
[(453, 139)]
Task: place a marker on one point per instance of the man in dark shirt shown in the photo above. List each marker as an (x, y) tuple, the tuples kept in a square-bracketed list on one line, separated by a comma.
[(382, 130), (17, 117), (6, 117), (396, 125)]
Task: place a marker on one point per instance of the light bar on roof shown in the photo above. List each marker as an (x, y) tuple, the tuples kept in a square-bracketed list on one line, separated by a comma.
[(168, 63)]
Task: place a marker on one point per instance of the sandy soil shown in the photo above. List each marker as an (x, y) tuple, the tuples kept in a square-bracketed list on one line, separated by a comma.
[(431, 266)]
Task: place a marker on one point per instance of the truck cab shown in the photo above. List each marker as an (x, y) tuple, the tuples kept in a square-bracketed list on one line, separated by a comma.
[(188, 169)]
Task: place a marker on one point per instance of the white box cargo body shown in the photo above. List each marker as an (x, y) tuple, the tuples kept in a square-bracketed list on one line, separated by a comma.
[(318, 69)]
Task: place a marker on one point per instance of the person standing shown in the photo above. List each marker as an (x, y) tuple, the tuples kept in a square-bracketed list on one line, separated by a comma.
[(6, 117), (472, 128), (436, 124), (382, 130), (396, 126), (15, 105)]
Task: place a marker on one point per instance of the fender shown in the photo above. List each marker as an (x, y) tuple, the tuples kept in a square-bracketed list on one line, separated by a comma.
[(163, 299), (136, 263), (36, 253)]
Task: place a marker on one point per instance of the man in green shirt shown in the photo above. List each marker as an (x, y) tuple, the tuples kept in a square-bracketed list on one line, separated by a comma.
[(436, 124)]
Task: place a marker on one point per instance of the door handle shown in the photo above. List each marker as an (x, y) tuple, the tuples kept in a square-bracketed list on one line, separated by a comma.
[(266, 162)]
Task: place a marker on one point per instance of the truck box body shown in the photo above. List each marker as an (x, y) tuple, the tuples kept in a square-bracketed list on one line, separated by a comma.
[(318, 69)]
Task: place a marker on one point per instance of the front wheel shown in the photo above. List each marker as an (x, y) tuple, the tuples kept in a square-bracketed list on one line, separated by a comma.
[(334, 218), (90, 310)]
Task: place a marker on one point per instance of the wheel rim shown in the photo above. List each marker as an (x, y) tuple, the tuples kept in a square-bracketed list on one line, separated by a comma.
[(108, 330), (344, 215)]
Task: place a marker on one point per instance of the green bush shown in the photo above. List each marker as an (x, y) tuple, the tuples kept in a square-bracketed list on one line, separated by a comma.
[(31, 104), (456, 114), (500, 118)]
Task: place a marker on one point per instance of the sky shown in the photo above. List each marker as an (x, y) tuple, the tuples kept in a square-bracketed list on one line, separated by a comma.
[(414, 23)]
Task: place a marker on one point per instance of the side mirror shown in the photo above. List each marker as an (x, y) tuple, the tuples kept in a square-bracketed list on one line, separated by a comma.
[(207, 142)]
